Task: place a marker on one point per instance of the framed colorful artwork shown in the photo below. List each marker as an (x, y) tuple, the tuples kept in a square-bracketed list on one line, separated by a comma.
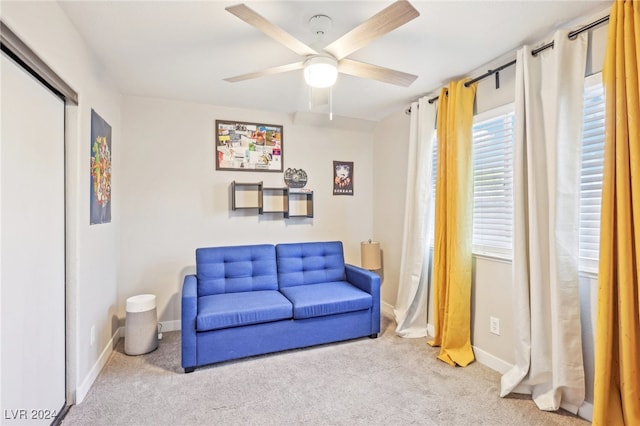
[(254, 147), (343, 178), (100, 192)]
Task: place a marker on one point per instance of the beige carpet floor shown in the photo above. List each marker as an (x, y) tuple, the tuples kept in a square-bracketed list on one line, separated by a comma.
[(384, 381)]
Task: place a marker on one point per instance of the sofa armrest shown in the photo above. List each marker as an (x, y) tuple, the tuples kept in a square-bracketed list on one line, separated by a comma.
[(188, 326), (370, 282)]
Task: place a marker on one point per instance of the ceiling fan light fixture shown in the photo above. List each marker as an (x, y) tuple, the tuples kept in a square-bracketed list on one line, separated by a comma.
[(320, 71)]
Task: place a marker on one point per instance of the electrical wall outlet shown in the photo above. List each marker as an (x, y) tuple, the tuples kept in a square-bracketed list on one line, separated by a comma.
[(93, 335), (494, 325)]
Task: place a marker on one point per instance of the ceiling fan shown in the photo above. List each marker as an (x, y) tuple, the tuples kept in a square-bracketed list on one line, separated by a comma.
[(321, 69)]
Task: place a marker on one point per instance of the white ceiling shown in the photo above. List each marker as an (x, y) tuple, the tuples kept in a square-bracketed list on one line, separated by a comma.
[(184, 49)]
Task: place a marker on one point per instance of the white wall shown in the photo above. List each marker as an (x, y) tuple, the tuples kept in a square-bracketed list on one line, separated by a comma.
[(175, 201), (492, 282), (389, 183), (91, 250)]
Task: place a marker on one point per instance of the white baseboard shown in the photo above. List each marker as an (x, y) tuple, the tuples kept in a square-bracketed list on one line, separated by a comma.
[(170, 325), (491, 361), (586, 411), (483, 357), (83, 389)]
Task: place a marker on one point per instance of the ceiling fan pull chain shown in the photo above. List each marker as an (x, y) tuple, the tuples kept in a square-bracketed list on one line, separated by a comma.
[(331, 103)]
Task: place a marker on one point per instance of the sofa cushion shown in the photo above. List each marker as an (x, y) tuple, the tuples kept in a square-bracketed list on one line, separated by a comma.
[(236, 268), (316, 300), (310, 263), (234, 309)]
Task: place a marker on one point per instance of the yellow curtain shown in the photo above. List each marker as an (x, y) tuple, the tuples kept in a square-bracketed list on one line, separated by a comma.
[(617, 365), (453, 225)]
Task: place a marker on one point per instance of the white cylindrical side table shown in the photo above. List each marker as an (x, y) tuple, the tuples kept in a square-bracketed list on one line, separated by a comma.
[(141, 325)]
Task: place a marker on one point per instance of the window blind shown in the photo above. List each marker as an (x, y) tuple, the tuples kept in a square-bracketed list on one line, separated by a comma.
[(434, 176), (493, 138), (591, 172)]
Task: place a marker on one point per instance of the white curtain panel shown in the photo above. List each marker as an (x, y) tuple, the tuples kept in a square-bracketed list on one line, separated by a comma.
[(411, 303), (546, 301)]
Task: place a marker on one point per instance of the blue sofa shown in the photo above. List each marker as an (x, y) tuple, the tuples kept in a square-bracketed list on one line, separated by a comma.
[(255, 299)]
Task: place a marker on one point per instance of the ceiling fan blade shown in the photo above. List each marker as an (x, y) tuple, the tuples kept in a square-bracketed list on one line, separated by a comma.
[(254, 19), (386, 75), (267, 71), (383, 22)]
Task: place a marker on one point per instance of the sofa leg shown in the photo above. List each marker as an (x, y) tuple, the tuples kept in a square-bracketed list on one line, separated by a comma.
[(189, 370), (373, 336)]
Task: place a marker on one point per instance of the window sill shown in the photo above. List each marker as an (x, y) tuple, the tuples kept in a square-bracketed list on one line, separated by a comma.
[(492, 256), (585, 273)]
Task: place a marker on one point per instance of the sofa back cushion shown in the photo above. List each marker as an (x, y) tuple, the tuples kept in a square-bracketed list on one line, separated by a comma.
[(235, 269), (310, 263)]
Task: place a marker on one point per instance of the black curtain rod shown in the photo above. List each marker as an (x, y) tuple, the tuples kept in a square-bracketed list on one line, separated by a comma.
[(572, 35)]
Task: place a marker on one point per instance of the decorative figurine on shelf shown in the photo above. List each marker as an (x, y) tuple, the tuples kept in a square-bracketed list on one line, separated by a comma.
[(295, 178)]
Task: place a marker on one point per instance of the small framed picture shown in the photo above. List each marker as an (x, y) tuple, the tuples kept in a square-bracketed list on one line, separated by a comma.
[(255, 147), (343, 178)]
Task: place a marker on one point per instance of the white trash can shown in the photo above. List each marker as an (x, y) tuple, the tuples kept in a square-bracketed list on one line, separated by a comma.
[(141, 325)]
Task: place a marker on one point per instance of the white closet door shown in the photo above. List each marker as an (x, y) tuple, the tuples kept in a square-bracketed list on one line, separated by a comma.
[(32, 265)]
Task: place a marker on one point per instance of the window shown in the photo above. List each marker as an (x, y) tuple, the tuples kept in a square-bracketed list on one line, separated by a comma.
[(493, 139), (493, 136), (591, 172)]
